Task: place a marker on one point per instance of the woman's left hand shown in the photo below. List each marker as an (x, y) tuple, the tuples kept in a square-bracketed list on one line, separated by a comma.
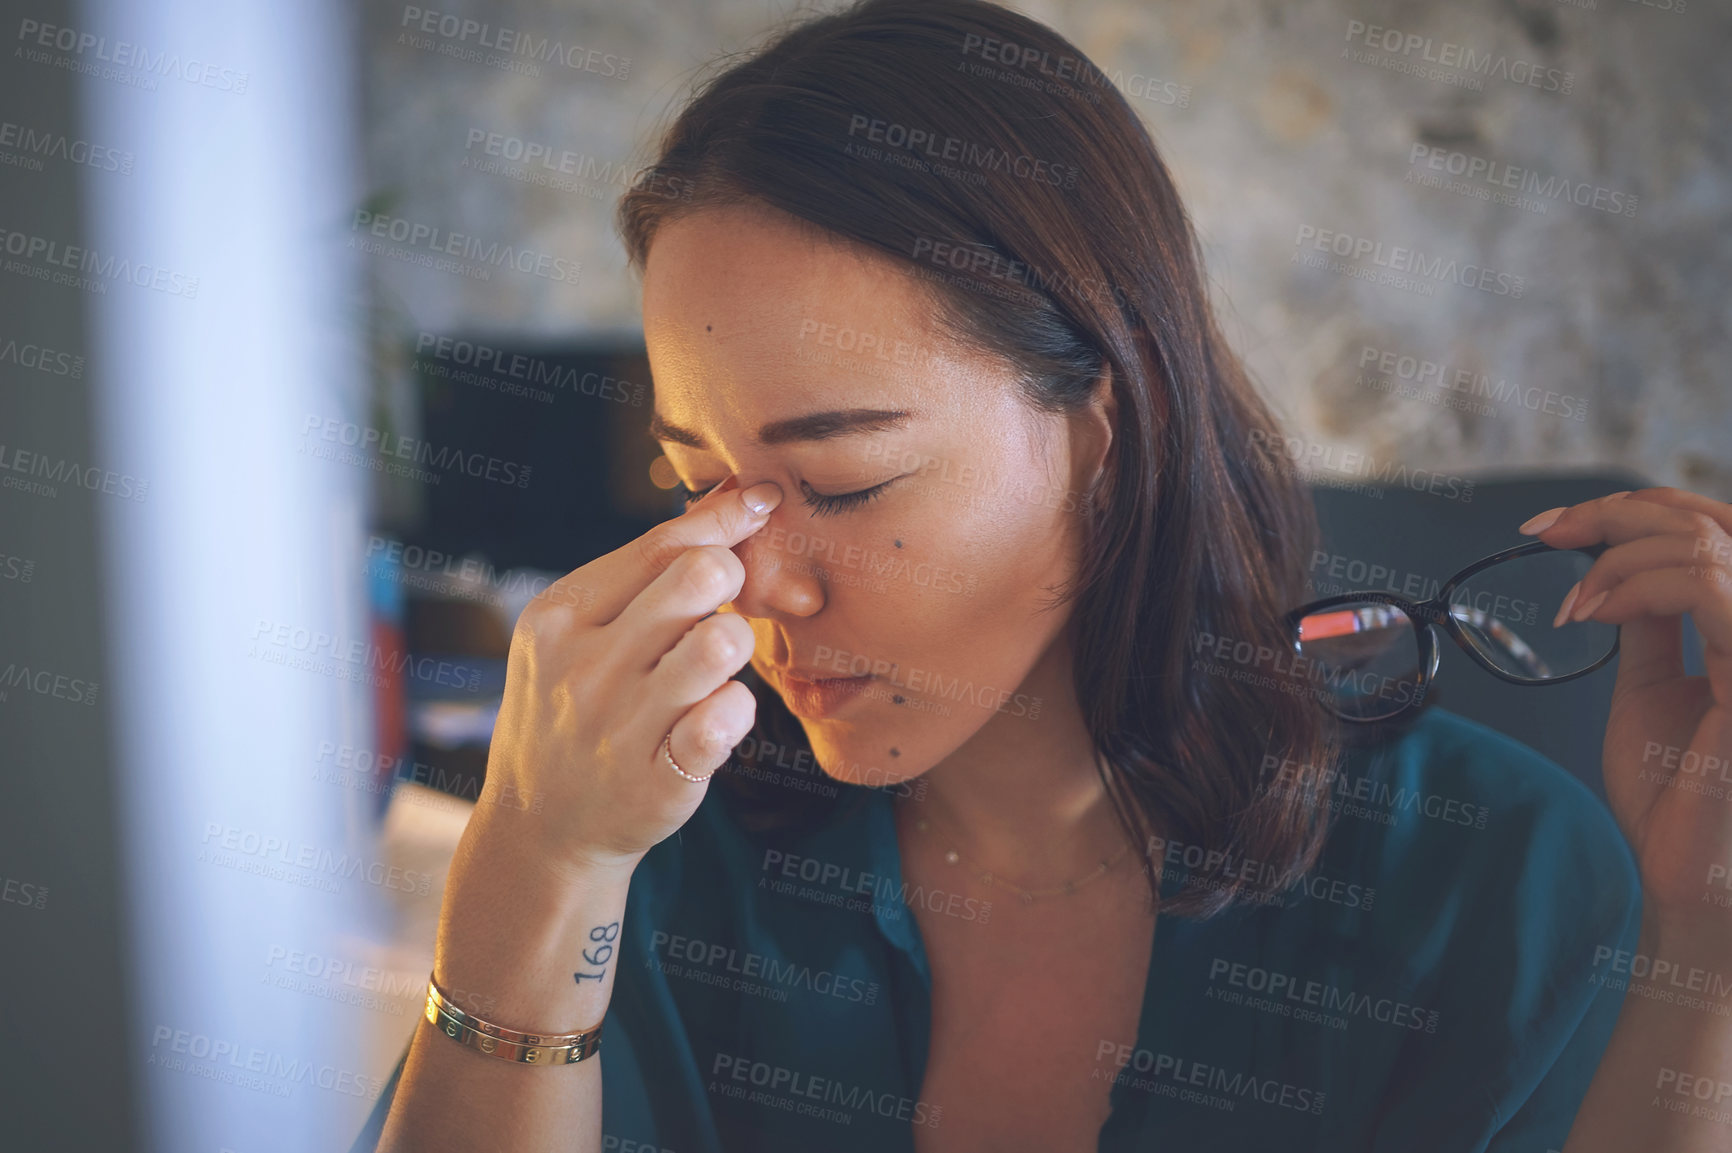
[(1670, 553)]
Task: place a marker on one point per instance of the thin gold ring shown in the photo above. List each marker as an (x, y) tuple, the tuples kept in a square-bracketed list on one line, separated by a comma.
[(668, 755)]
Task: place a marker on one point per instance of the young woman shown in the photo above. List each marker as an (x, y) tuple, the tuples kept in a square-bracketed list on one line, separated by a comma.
[(992, 861)]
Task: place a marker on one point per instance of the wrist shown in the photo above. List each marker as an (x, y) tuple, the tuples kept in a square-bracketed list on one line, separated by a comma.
[(530, 843), (1699, 939), (516, 923)]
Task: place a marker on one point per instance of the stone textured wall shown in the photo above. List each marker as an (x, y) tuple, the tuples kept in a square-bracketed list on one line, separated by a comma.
[(1284, 121)]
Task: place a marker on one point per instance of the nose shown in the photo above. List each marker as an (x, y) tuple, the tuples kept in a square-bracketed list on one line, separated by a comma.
[(780, 580)]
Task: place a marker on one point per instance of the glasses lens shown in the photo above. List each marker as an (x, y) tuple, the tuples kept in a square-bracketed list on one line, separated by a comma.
[(1365, 656), (1506, 613)]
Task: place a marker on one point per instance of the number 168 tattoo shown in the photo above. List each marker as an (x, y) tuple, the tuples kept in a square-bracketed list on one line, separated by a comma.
[(600, 953)]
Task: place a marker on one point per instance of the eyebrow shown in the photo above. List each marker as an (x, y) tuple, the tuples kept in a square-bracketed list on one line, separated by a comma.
[(814, 426)]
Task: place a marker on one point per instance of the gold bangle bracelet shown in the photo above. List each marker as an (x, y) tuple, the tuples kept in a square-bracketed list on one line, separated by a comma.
[(437, 996), (508, 1044)]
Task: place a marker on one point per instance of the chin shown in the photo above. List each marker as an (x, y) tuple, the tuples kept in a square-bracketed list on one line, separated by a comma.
[(858, 753)]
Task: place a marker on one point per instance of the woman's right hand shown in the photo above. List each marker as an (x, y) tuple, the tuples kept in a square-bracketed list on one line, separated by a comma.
[(603, 664), (611, 658)]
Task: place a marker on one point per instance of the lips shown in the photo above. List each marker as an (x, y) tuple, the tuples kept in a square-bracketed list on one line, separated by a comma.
[(809, 694), (811, 676)]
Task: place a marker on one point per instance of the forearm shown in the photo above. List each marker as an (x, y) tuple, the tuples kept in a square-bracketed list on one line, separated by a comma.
[(1664, 1084), (514, 934)]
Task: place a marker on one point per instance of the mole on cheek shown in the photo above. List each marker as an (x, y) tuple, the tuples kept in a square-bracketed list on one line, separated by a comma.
[(896, 752), (898, 544)]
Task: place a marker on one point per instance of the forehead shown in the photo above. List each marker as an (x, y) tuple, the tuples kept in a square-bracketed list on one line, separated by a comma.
[(755, 266), (749, 315)]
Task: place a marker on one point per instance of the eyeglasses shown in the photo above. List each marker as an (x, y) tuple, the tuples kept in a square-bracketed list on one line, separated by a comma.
[(1372, 654)]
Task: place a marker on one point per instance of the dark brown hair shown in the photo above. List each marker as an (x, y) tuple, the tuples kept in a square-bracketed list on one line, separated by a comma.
[(986, 154)]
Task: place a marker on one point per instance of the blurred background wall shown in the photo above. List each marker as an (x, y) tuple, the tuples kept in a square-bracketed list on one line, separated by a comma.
[(352, 445), (1601, 125)]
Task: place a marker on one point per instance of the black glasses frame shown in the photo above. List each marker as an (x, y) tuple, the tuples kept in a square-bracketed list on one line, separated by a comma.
[(1428, 616)]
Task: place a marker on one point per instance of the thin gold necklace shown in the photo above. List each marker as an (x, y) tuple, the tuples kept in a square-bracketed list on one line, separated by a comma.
[(1028, 896)]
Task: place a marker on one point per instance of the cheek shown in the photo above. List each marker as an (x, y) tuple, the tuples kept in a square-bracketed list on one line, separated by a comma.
[(1004, 554), (964, 623), (1034, 548)]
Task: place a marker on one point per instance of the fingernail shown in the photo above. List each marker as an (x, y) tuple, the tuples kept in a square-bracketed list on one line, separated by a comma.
[(1543, 521), (1588, 609), (1564, 609), (762, 497)]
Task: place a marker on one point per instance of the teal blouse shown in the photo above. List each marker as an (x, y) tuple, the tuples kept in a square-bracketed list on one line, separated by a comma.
[(1443, 980)]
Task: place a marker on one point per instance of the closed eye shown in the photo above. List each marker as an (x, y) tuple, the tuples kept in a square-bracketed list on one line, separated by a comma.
[(692, 498), (819, 503), (822, 505)]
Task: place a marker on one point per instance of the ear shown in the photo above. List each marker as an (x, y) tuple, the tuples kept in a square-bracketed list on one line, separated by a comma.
[(1092, 430)]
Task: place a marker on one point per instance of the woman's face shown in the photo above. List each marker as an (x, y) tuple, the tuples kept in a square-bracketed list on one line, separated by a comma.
[(901, 592)]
